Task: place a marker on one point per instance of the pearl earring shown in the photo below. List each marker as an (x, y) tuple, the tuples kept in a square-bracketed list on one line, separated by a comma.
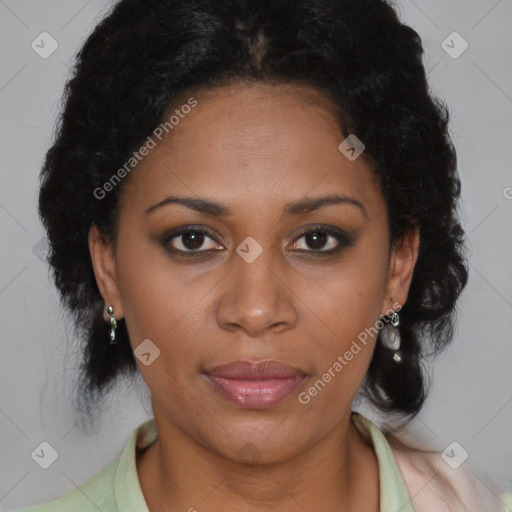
[(390, 337)]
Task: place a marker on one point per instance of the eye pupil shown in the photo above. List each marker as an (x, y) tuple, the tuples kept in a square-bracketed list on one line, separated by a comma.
[(316, 240), (193, 239)]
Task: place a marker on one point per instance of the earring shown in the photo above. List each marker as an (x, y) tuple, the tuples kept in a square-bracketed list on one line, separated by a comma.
[(390, 337), (113, 325)]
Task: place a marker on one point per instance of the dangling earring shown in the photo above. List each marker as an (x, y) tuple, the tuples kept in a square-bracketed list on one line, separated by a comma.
[(390, 337), (113, 325)]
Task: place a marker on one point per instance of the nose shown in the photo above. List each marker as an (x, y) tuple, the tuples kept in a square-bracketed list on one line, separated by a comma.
[(256, 298)]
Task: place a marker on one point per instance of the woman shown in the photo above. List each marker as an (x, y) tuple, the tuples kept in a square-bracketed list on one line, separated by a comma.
[(253, 204)]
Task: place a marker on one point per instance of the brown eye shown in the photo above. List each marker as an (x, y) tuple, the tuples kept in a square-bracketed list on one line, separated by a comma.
[(320, 240), (191, 240)]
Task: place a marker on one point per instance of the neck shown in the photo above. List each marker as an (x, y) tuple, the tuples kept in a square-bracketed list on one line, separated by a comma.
[(339, 473)]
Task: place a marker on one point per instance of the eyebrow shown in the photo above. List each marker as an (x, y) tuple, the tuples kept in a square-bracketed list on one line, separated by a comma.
[(300, 207)]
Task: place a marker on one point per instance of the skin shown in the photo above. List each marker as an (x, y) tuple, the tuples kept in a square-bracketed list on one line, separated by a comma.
[(254, 148)]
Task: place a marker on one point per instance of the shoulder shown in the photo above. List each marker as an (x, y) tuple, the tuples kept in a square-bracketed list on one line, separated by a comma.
[(96, 493), (115, 486), (435, 485)]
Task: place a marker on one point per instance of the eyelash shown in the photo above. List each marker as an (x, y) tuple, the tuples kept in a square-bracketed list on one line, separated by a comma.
[(343, 238)]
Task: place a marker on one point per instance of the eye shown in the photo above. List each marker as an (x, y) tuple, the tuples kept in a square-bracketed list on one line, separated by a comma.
[(323, 241), (191, 240)]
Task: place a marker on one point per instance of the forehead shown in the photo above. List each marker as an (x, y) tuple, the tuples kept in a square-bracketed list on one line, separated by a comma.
[(249, 143)]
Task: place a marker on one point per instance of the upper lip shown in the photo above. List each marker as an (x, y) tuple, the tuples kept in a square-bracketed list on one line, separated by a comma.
[(255, 370)]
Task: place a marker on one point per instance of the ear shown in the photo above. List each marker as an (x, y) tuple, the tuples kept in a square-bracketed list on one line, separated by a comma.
[(404, 254), (103, 262)]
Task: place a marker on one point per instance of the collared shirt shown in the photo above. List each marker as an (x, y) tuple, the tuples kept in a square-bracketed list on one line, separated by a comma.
[(116, 488)]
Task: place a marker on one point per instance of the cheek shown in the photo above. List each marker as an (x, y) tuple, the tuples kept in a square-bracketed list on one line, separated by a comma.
[(149, 296), (343, 355), (347, 302), (349, 297), (163, 304)]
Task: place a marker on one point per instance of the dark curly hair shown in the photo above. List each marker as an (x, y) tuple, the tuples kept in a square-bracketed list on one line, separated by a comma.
[(145, 54)]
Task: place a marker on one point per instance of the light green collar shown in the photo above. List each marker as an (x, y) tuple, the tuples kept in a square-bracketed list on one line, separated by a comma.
[(127, 490), (394, 496)]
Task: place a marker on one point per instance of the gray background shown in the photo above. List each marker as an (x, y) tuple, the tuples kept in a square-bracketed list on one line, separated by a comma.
[(471, 395)]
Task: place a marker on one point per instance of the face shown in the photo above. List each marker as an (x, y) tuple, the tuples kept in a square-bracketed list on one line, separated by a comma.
[(271, 271)]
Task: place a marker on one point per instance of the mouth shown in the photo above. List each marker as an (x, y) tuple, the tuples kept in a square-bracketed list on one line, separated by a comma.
[(255, 385)]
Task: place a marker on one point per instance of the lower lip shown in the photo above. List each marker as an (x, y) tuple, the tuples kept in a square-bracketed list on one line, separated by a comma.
[(256, 394)]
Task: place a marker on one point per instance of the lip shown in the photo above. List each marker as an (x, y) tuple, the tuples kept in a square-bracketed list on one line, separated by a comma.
[(255, 385)]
